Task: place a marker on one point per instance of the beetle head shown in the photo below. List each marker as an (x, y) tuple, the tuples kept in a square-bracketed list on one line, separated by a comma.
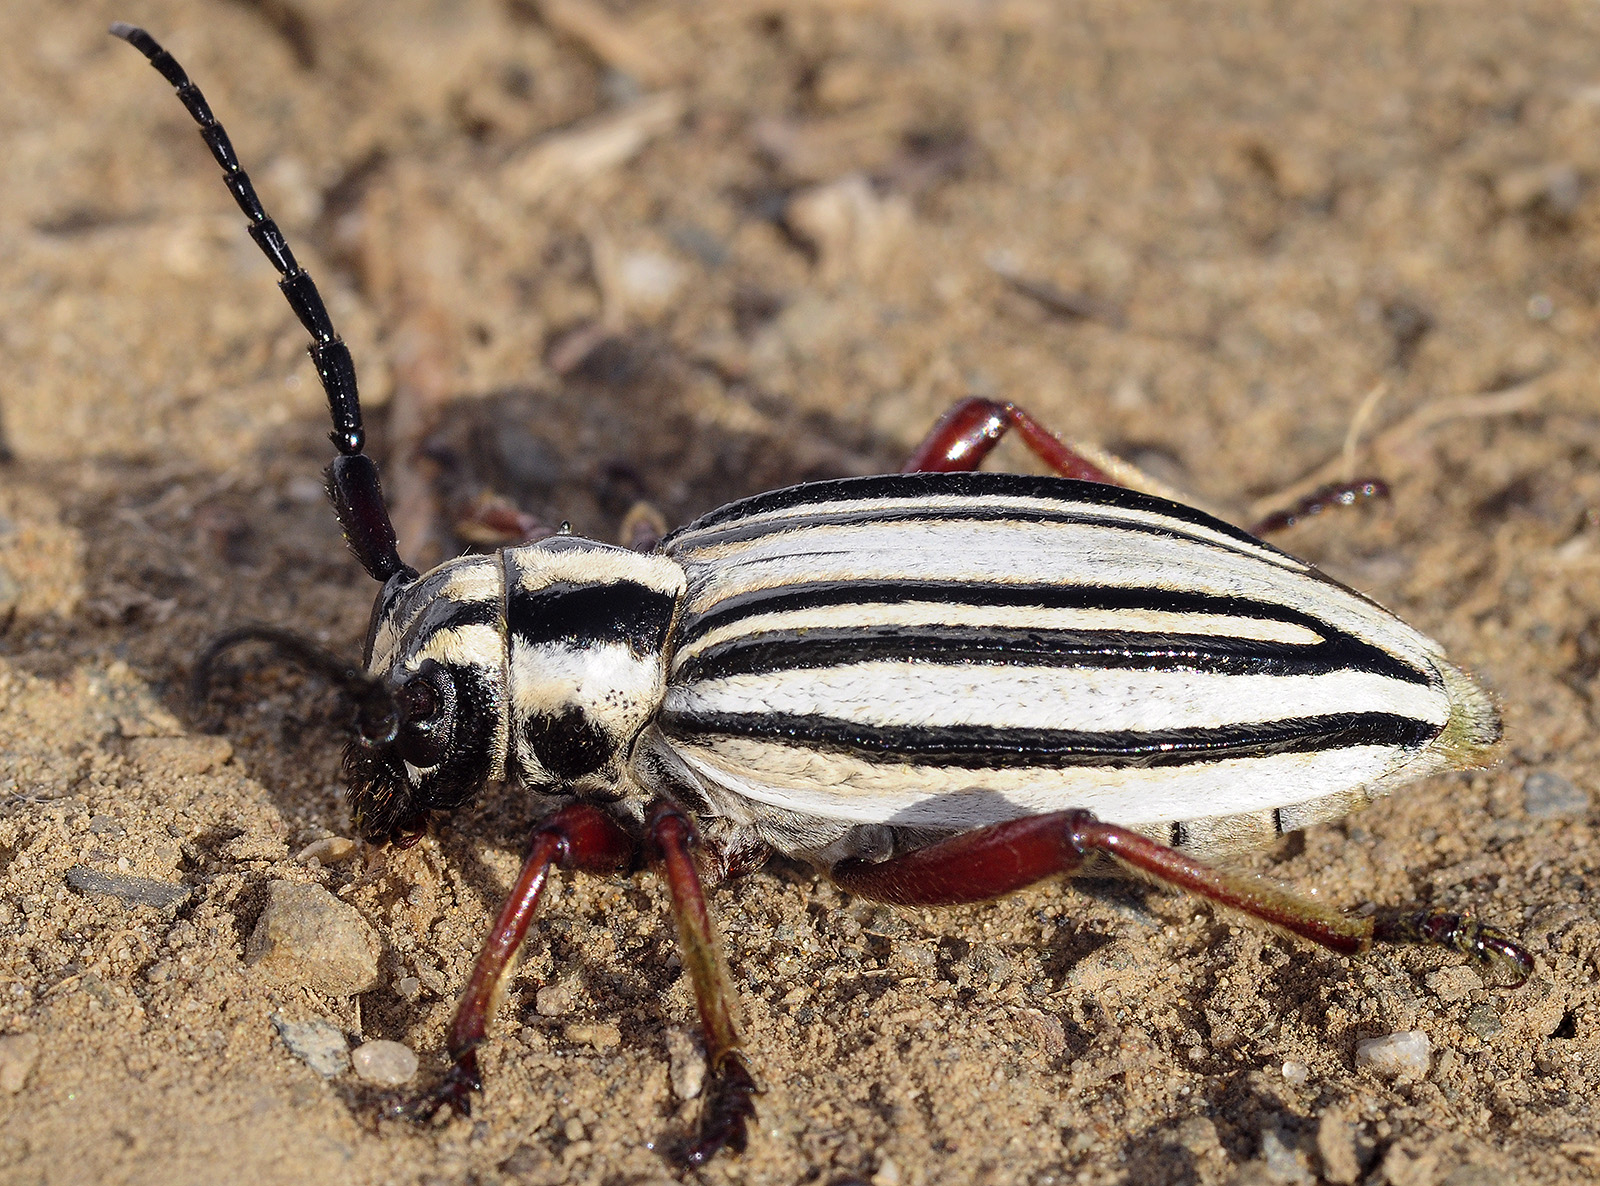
[(435, 733)]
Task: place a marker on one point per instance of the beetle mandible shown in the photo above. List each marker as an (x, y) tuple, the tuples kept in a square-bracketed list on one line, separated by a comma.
[(930, 684)]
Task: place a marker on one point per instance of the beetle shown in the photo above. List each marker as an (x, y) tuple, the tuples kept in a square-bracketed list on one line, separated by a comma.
[(932, 685)]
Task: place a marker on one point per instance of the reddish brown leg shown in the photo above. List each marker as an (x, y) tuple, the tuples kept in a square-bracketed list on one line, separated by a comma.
[(996, 860), (576, 837), (1334, 494), (967, 433), (726, 1105)]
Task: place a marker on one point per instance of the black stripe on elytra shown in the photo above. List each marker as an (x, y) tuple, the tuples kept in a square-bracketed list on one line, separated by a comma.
[(961, 485), (742, 532), (582, 614), (1339, 646), (981, 747), (768, 652)]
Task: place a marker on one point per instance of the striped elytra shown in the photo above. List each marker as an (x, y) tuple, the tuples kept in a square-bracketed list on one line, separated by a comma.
[(942, 651)]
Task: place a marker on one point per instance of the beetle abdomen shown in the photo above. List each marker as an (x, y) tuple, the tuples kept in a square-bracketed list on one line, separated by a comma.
[(947, 650)]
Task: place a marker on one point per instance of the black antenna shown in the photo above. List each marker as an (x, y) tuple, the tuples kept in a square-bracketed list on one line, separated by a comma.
[(353, 477)]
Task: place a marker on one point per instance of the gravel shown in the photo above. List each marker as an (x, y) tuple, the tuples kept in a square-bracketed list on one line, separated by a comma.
[(135, 891), (321, 1046), (1393, 1056), (384, 1062), (306, 936)]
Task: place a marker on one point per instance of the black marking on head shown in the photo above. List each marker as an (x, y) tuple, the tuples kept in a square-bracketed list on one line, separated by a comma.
[(568, 744), (582, 615)]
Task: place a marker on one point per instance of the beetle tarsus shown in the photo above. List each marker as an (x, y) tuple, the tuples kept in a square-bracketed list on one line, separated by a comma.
[(728, 1107), (454, 1091), (1506, 962)]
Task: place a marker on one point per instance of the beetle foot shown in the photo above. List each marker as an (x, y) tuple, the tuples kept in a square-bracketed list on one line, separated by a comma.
[(1506, 962), (726, 1109), (453, 1092)]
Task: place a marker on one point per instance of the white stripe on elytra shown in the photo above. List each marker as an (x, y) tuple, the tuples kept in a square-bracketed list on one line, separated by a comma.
[(1070, 554), (1013, 617), (935, 504), (839, 787), (891, 694)]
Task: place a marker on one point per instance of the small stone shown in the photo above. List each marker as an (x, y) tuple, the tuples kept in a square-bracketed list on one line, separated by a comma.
[(330, 850), (1393, 1056), (306, 936), (649, 280), (135, 891), (1336, 1146), (552, 1000), (1296, 1073), (408, 987), (316, 1043), (1484, 1021), (388, 1063), (1549, 796), (18, 1054), (686, 1064), (888, 1172)]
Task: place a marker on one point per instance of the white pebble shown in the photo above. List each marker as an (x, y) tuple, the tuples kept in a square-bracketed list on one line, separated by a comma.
[(388, 1063), (1394, 1055), (1296, 1072)]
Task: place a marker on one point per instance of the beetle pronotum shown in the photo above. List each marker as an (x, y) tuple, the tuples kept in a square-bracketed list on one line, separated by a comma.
[(931, 684)]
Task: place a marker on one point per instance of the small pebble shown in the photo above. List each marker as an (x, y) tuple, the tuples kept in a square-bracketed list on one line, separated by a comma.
[(135, 891), (1549, 796), (1296, 1073), (18, 1054), (388, 1063), (319, 1045), (408, 987), (1484, 1021), (888, 1172), (1395, 1055), (306, 936), (330, 850), (686, 1064), (552, 1000)]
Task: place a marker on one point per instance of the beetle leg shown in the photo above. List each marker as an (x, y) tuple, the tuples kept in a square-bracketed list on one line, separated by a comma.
[(727, 1103), (967, 433), (577, 837), (992, 861)]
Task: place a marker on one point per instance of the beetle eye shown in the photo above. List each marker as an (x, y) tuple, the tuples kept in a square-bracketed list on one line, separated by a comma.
[(427, 715), (418, 701)]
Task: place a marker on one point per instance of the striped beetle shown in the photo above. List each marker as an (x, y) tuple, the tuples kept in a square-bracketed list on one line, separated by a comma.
[(930, 684)]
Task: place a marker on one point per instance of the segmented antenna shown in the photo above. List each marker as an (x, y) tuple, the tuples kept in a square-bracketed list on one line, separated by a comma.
[(353, 477)]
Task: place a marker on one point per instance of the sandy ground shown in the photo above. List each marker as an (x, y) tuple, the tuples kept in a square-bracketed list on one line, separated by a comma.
[(685, 252)]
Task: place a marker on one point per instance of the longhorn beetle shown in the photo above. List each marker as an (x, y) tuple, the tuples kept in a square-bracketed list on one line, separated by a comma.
[(931, 684)]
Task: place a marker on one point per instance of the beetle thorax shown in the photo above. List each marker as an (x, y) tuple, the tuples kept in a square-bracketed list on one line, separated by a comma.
[(587, 627)]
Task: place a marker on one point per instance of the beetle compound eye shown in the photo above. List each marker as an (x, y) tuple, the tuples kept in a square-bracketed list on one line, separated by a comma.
[(427, 711), (418, 701)]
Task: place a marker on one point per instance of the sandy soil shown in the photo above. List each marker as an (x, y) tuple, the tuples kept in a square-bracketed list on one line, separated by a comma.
[(687, 252)]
